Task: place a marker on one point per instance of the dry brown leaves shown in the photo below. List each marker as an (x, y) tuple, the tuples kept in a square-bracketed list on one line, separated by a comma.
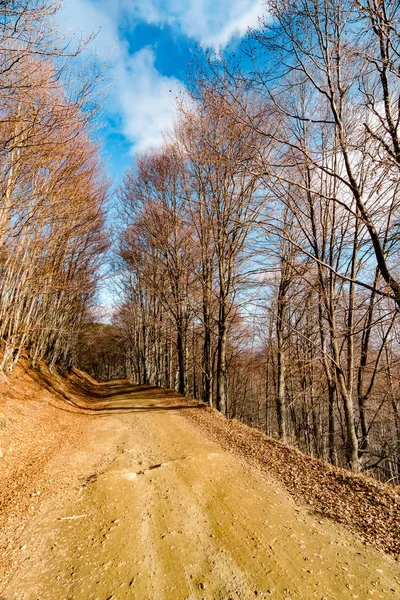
[(35, 423), (367, 507)]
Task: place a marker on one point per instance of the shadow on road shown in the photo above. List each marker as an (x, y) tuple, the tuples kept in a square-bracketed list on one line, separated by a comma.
[(120, 396), (133, 407)]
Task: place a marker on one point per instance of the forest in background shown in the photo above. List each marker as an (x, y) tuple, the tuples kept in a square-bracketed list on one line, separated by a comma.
[(258, 253)]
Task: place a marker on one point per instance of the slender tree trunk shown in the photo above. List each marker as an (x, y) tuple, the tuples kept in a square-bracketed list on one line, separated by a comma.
[(181, 350), (281, 409), (221, 402), (207, 356)]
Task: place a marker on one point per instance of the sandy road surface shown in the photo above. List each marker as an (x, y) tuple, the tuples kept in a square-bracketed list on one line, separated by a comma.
[(169, 515)]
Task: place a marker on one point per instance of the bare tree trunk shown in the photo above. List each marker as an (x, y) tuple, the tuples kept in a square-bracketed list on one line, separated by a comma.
[(181, 350), (221, 401), (207, 356), (281, 373)]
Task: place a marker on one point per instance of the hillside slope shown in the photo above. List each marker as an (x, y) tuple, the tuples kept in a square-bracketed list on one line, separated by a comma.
[(118, 491)]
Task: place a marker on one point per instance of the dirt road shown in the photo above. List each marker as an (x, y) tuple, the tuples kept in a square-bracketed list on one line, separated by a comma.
[(165, 514)]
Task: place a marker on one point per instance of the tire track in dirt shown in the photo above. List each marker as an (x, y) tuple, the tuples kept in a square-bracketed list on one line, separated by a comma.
[(172, 516)]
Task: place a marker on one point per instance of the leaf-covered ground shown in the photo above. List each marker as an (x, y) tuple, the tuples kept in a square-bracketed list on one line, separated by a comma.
[(365, 506)]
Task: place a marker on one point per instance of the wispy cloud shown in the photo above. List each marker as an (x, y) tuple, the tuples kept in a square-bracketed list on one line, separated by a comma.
[(212, 23), (141, 99), (147, 99)]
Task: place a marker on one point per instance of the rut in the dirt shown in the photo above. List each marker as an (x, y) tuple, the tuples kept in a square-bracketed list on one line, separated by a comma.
[(170, 514)]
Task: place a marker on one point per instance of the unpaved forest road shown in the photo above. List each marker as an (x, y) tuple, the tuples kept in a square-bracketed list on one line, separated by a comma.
[(169, 515)]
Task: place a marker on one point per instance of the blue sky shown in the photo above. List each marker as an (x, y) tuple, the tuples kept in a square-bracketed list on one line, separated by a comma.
[(146, 46)]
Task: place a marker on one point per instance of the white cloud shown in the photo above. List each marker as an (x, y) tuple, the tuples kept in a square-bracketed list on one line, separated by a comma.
[(82, 18), (139, 94), (213, 23), (147, 99)]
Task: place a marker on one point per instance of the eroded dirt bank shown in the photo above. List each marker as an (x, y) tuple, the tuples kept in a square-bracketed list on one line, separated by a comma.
[(149, 505)]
